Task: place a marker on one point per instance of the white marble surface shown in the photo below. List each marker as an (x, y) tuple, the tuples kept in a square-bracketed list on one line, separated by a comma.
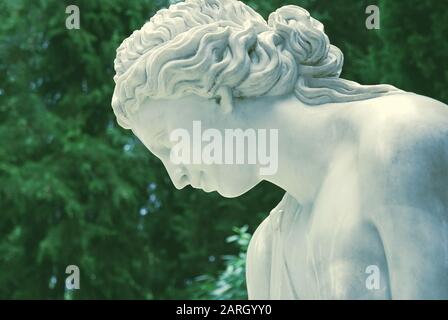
[(364, 168)]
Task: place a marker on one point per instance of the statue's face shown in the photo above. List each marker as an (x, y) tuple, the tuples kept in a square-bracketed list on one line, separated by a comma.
[(163, 125)]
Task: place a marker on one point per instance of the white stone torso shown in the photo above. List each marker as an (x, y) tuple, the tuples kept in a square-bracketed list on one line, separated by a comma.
[(300, 252), (391, 214), (319, 250)]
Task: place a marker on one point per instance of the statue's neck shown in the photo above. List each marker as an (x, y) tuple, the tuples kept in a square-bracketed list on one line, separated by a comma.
[(309, 138)]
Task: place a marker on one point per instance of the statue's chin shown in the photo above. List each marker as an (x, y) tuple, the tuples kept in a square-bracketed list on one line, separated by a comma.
[(232, 193), (203, 188), (208, 189), (227, 195)]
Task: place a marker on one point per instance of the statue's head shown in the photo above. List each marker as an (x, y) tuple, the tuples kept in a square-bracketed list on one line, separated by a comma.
[(197, 59)]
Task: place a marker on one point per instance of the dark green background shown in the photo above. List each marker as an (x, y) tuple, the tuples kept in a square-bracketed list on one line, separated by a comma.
[(77, 189)]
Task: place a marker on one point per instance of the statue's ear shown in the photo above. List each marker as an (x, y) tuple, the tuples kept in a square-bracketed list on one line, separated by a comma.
[(225, 99)]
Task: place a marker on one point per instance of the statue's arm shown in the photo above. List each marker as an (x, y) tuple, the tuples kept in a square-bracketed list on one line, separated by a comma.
[(416, 250), (407, 199)]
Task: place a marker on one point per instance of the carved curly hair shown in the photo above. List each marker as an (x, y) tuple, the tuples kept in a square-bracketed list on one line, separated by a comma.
[(204, 46)]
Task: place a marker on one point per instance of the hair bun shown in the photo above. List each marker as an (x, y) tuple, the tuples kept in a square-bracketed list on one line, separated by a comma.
[(304, 37)]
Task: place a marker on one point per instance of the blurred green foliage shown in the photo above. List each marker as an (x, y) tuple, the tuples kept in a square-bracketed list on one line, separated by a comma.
[(77, 189), (231, 283)]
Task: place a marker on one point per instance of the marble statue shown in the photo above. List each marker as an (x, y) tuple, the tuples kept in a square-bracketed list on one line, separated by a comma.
[(364, 168)]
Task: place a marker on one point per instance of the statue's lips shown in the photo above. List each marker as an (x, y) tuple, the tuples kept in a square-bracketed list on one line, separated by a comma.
[(197, 180), (205, 184)]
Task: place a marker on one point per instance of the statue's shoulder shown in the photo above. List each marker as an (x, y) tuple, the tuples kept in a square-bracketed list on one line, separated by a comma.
[(403, 143), (400, 125), (400, 109)]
